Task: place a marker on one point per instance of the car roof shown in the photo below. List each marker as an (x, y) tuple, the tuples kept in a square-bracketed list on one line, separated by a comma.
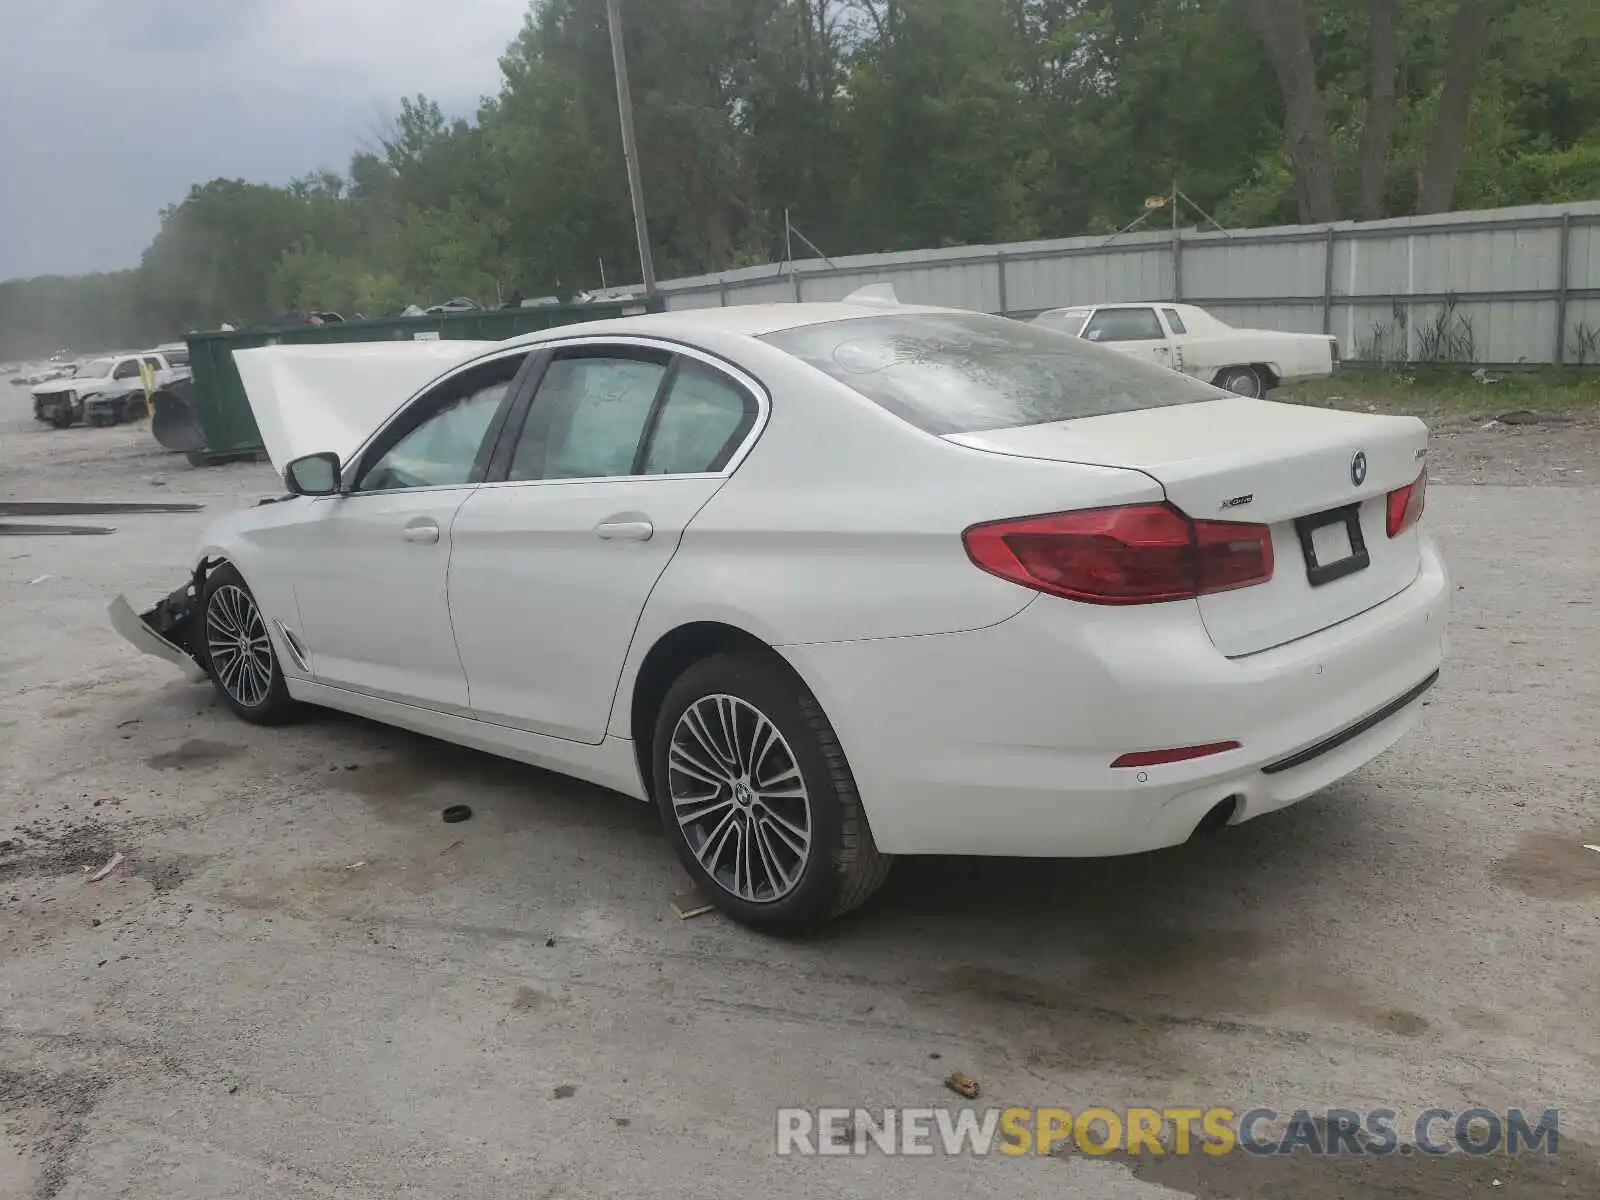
[(1139, 304), (748, 320)]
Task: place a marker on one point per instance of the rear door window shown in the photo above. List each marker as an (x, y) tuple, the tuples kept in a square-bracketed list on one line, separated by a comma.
[(589, 416), (1124, 325), (951, 373), (1174, 321)]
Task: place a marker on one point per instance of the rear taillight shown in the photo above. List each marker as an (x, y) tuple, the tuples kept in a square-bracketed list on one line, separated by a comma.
[(1156, 758), (1406, 504), (1136, 554)]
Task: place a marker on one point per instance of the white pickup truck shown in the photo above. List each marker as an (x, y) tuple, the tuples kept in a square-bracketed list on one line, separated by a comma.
[(103, 391), (1250, 362)]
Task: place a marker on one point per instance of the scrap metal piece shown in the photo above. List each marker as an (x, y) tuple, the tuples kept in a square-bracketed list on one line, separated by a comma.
[(88, 508), (23, 529), (691, 904), (173, 421)]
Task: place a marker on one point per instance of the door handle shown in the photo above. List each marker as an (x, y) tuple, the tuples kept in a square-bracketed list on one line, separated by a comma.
[(423, 531), (625, 531)]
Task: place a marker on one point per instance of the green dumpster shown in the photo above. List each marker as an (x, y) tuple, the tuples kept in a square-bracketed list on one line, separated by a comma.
[(210, 420)]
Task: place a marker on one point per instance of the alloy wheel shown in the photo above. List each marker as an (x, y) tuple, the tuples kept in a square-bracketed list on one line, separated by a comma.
[(238, 646), (739, 798)]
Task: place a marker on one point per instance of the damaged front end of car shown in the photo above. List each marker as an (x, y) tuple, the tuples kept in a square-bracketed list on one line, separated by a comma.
[(171, 630)]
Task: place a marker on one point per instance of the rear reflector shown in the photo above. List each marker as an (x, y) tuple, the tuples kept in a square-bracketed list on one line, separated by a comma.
[(1154, 758), (1406, 504), (1134, 554)]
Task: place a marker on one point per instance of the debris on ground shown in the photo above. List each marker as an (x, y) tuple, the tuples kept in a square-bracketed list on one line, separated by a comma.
[(452, 846), (963, 1085), (1526, 416), (565, 1091), (690, 904), (457, 813), (356, 866), (39, 579), (107, 869)]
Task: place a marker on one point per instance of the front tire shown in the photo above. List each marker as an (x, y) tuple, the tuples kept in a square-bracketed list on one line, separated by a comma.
[(758, 798), (238, 653)]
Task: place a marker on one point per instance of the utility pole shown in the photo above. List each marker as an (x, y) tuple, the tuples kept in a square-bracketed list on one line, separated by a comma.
[(630, 151)]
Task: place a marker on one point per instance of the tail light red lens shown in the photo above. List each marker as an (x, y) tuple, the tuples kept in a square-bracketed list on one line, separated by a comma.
[(1406, 505), (1156, 758), (1134, 554)]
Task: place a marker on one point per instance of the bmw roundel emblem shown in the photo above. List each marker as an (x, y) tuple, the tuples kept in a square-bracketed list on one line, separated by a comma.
[(1358, 468)]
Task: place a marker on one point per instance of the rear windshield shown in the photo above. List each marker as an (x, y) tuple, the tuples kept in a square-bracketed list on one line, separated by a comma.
[(965, 372)]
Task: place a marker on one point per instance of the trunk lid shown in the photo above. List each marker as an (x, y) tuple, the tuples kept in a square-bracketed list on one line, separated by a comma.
[(1320, 478)]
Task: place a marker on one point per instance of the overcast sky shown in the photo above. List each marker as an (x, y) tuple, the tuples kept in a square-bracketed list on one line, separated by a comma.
[(110, 109)]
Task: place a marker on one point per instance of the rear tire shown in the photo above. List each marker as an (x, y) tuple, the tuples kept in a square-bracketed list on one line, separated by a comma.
[(1242, 381), (237, 651), (758, 798), (61, 420)]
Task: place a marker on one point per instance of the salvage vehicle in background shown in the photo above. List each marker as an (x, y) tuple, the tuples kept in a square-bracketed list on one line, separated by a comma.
[(47, 373), (103, 391), (1248, 362), (828, 583)]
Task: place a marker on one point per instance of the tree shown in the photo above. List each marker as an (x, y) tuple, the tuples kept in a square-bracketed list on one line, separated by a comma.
[(1379, 125), (1442, 166), (876, 124), (1282, 27)]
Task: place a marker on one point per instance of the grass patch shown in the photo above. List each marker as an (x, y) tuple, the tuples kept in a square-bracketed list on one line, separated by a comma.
[(1424, 391)]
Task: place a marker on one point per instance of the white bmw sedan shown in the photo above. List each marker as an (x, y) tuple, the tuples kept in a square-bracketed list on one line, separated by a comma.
[(829, 583)]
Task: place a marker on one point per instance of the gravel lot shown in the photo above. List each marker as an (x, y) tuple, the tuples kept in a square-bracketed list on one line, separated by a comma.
[(299, 982)]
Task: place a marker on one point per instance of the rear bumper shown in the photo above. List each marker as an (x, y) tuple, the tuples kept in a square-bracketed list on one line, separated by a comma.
[(999, 741)]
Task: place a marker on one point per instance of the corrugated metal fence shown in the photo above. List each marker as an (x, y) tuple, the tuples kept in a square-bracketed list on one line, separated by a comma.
[(1518, 285)]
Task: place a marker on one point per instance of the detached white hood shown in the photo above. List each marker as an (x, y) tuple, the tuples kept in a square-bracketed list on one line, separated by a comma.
[(310, 399)]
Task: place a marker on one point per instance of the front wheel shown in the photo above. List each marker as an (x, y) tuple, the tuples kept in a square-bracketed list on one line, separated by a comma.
[(237, 651), (758, 798)]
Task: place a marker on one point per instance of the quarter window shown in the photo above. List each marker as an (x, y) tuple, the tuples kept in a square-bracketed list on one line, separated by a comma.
[(1124, 325), (700, 425), (1174, 321)]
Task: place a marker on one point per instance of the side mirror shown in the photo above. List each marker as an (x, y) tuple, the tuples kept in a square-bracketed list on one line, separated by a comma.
[(313, 475)]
